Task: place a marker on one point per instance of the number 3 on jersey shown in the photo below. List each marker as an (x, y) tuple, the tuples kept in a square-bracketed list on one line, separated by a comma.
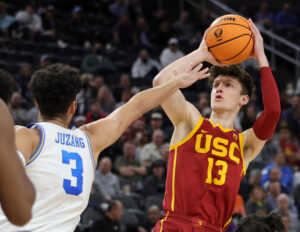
[(77, 172), (222, 172)]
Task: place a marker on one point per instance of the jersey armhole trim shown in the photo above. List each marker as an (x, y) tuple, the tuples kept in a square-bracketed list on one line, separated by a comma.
[(199, 123), (241, 139), (91, 151), (41, 145)]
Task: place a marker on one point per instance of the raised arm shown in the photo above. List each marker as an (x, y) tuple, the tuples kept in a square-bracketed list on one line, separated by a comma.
[(264, 126), (106, 131), (17, 193), (176, 107)]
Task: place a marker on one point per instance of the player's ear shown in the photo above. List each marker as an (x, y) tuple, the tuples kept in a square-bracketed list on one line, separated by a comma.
[(73, 107), (36, 104), (244, 100)]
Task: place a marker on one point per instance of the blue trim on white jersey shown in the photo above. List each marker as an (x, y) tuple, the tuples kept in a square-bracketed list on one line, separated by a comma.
[(41, 145)]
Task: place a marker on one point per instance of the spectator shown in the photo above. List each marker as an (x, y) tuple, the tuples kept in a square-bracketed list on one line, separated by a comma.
[(160, 36), (151, 151), (124, 84), (257, 201), (6, 21), (155, 183), (286, 222), (105, 181), (274, 190), (274, 175), (106, 100), (128, 167), (247, 186), (29, 21), (249, 117), (125, 97), (118, 8), (289, 146), (183, 28), (77, 26), (45, 61), (283, 205), (84, 97), (143, 32), (49, 22), (269, 151), (22, 80), (17, 112), (171, 53), (285, 19), (292, 116), (124, 33), (111, 220), (144, 66), (164, 151), (264, 17), (96, 83), (206, 20), (97, 62), (156, 121), (286, 179), (95, 112), (154, 216)]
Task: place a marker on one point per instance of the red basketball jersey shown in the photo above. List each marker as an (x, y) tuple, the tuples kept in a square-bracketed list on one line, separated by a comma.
[(204, 173)]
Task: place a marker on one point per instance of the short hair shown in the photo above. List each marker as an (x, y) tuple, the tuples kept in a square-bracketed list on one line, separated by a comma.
[(236, 72), (7, 84), (253, 222), (54, 88)]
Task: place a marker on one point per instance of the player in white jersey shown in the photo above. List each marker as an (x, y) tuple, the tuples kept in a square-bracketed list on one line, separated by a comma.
[(61, 162), (16, 191)]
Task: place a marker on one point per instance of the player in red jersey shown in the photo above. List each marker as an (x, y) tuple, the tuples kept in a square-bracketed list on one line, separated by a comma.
[(208, 158)]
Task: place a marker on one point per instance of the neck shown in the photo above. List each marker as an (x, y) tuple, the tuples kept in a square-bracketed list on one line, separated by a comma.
[(225, 119), (58, 121)]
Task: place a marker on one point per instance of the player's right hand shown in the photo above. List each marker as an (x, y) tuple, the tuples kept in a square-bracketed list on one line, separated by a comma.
[(191, 75), (207, 56)]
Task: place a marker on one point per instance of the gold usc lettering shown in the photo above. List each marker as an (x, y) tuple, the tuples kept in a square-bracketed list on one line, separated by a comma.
[(219, 146)]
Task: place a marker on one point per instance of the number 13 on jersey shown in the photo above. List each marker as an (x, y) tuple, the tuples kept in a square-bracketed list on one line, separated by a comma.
[(222, 172)]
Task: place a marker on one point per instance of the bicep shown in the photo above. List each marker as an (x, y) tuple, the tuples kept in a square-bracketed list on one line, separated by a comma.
[(179, 110), (252, 145)]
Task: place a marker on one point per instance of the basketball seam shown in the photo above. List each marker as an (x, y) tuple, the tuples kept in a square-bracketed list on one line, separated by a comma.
[(229, 40), (240, 51), (224, 24)]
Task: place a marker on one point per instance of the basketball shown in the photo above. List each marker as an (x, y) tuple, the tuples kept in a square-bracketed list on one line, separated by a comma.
[(229, 39)]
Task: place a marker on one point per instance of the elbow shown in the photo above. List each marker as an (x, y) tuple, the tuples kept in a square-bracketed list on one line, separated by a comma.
[(20, 220), (156, 81)]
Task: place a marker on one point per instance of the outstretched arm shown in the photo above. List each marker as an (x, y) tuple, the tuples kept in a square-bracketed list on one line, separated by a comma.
[(265, 125), (106, 131), (17, 193)]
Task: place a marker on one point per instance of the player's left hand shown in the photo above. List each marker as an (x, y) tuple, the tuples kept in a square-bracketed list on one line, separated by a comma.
[(191, 75), (258, 49)]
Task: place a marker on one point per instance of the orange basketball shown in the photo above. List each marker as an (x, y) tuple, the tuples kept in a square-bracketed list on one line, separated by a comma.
[(229, 39)]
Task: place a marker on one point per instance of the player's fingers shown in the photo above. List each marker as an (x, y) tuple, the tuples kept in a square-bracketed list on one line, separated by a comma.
[(203, 71), (189, 67), (198, 67), (203, 75)]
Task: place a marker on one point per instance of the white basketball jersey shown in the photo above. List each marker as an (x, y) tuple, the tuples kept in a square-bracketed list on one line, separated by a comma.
[(62, 170)]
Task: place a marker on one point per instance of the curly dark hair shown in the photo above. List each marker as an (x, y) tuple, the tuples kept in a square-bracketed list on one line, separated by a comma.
[(7, 83), (236, 72), (54, 88), (253, 222)]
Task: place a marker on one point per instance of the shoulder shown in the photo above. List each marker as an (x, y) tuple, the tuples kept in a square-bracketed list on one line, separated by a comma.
[(27, 140)]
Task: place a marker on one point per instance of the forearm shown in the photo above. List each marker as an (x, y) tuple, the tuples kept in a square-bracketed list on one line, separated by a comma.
[(265, 125), (140, 170), (179, 66), (150, 98)]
